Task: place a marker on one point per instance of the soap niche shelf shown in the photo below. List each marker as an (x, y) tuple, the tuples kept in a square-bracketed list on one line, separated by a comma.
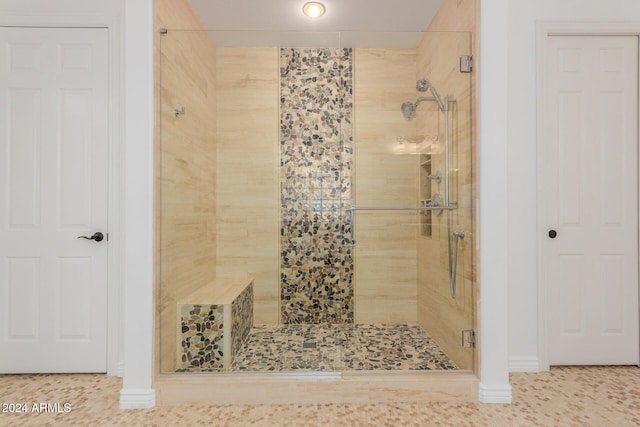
[(426, 228)]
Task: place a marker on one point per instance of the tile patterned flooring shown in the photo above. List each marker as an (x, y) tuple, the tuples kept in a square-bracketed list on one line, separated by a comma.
[(567, 396), (326, 347)]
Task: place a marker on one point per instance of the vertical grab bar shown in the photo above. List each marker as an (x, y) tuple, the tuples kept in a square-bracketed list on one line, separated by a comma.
[(452, 280), (459, 234), (453, 269)]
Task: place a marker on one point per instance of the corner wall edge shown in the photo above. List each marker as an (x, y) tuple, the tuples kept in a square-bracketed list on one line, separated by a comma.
[(494, 393), (137, 399)]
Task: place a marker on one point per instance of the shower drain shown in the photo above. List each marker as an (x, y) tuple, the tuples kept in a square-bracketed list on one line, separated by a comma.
[(308, 345)]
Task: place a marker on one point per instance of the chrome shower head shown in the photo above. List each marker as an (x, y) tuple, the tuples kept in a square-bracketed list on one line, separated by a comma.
[(423, 85), (408, 109)]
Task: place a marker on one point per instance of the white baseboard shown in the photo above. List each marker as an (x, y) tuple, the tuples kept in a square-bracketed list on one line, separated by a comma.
[(115, 369), (137, 399), (488, 393), (524, 364)]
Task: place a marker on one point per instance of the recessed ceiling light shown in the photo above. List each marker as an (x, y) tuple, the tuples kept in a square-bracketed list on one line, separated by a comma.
[(313, 9)]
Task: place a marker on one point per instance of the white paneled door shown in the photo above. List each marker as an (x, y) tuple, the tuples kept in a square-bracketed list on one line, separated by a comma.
[(589, 199), (53, 189)]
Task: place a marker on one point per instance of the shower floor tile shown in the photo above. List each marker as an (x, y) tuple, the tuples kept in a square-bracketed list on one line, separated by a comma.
[(330, 347)]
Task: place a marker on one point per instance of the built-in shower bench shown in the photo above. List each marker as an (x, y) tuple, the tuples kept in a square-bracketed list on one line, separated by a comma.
[(213, 322)]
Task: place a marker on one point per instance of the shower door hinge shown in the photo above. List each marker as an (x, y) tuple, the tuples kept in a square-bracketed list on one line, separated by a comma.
[(469, 338), (466, 63)]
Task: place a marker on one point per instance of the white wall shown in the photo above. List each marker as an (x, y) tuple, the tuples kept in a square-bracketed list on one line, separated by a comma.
[(492, 180), (521, 154), (137, 196)]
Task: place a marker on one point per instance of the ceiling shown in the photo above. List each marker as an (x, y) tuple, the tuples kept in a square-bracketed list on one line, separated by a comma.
[(341, 15)]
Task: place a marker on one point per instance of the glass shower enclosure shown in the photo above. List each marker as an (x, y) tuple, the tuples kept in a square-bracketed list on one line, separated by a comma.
[(315, 202)]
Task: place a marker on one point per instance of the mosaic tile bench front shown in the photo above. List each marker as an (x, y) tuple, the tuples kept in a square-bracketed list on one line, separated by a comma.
[(214, 322)]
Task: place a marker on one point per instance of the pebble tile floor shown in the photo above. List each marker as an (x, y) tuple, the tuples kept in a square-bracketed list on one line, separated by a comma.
[(326, 347), (566, 396)]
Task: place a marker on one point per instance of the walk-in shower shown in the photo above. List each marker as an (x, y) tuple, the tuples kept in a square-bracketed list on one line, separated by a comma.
[(292, 233)]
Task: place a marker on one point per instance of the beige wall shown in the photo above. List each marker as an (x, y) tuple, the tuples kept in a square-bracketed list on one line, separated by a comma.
[(247, 193), (441, 316), (385, 250), (456, 15), (185, 192)]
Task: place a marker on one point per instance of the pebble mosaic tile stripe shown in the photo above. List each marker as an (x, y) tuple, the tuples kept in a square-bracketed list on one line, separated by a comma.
[(316, 152)]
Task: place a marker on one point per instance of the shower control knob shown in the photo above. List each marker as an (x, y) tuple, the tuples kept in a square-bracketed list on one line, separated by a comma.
[(552, 234)]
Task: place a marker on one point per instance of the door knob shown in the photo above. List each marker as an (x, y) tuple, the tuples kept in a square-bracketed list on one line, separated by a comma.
[(98, 237), (552, 234)]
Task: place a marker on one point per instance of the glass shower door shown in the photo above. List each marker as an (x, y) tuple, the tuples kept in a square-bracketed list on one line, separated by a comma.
[(413, 148)]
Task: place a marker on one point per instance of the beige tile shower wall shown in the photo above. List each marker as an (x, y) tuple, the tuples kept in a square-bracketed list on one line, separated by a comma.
[(456, 15), (185, 194), (438, 60), (386, 242), (247, 193)]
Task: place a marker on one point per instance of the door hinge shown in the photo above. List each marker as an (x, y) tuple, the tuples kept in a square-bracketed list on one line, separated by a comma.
[(469, 338), (466, 63)]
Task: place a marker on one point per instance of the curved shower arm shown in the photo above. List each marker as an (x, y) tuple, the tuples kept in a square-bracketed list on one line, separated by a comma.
[(424, 85), (443, 105), (429, 98)]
